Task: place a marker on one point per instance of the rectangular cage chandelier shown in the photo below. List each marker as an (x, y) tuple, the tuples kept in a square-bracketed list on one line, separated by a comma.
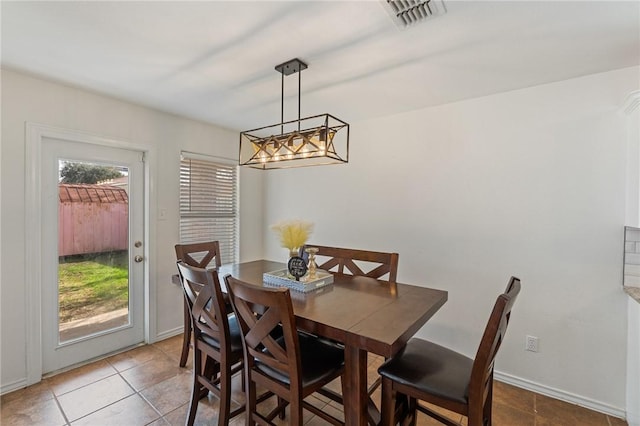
[(310, 141)]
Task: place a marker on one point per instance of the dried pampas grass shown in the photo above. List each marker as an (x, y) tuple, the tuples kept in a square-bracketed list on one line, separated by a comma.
[(293, 233)]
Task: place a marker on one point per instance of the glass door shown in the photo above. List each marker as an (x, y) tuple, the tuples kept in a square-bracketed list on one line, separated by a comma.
[(93, 264)]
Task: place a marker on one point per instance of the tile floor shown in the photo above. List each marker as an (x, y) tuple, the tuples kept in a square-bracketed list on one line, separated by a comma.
[(145, 386)]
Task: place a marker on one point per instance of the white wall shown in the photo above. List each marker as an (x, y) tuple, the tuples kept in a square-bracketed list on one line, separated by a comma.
[(26, 98), (528, 183), (633, 364), (633, 219)]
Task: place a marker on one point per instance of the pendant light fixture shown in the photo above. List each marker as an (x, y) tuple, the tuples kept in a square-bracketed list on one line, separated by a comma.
[(311, 141)]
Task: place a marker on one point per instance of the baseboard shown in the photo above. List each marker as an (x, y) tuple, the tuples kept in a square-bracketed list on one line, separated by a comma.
[(561, 395), (13, 386), (169, 333)]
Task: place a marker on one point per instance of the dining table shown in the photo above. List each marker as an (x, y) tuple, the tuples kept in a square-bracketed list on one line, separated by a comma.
[(364, 314)]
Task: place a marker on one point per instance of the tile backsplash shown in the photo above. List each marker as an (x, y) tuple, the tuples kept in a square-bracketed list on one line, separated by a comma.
[(631, 257)]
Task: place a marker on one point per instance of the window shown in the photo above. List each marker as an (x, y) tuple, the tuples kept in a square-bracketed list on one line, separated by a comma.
[(209, 203)]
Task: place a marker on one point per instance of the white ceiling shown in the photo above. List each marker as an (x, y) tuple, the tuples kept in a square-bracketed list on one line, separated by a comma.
[(214, 60)]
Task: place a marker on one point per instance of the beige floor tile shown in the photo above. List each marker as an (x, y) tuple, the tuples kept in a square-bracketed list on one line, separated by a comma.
[(172, 347), (136, 357), (151, 372), (375, 360), (237, 394), (336, 412), (33, 394), (208, 410), (23, 412), (178, 416), (160, 422), (551, 411), (176, 354), (268, 405), (614, 421), (169, 394), (90, 398), (322, 398), (81, 376), (372, 374), (239, 420), (507, 415), (439, 410), (335, 386), (424, 420), (130, 411), (170, 344), (207, 414), (515, 397)]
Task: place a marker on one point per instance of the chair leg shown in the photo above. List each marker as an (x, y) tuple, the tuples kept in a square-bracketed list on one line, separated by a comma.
[(387, 405), (283, 413), (196, 389), (295, 415), (475, 417), (250, 403), (210, 369), (413, 411), (186, 337), (488, 403), (225, 396)]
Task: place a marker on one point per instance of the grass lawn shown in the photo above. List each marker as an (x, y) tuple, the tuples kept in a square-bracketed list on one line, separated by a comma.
[(92, 284)]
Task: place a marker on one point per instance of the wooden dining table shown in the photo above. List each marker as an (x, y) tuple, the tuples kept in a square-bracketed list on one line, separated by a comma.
[(364, 314)]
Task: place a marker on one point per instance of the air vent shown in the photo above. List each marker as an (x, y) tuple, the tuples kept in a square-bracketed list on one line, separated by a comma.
[(406, 13)]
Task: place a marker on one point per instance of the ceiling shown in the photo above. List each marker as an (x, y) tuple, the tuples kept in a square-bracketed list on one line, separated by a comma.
[(214, 61)]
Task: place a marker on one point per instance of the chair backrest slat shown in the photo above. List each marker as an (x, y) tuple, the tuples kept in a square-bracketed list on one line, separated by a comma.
[(260, 311), (344, 260), (492, 337), (204, 297), (207, 252)]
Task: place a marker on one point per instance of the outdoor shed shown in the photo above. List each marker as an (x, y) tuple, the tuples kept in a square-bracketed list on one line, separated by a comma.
[(92, 219)]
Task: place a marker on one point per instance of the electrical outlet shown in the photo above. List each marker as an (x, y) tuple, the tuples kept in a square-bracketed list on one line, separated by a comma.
[(531, 344)]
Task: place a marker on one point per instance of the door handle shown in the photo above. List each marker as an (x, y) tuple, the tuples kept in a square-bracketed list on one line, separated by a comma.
[(137, 258)]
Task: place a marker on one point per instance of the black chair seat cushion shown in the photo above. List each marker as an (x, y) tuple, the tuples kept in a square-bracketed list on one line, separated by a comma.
[(431, 369), (319, 359), (234, 331)]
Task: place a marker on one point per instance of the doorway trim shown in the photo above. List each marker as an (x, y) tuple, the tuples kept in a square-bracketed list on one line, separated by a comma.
[(35, 134)]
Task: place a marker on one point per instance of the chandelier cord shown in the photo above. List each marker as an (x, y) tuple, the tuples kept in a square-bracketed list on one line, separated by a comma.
[(299, 91), (282, 105)]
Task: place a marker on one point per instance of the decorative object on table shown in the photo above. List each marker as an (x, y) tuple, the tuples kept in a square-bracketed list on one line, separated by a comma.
[(293, 234), (297, 267), (311, 251), (281, 278), (311, 141)]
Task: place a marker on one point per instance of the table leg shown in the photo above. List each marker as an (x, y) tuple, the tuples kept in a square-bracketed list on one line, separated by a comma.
[(356, 398)]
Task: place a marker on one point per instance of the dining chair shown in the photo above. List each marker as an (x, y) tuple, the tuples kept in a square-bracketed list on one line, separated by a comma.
[(201, 255), (343, 260), (429, 372), (292, 366), (217, 344)]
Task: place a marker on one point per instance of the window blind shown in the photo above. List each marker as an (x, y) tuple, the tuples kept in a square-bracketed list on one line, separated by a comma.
[(209, 204)]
